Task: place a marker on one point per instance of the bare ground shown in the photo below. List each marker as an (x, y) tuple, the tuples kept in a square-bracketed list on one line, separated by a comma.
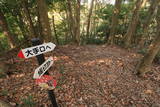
[(88, 76)]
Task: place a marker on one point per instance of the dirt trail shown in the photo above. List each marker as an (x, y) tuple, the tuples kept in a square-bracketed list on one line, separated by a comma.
[(88, 76)]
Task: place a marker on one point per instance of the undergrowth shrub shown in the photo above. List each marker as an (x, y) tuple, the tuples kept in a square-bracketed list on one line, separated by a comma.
[(28, 102)]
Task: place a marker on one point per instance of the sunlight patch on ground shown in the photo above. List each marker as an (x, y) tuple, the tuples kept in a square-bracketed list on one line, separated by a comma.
[(20, 75), (98, 61)]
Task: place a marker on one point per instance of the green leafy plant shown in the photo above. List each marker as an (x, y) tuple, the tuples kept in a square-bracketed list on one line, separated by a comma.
[(2, 73), (61, 69), (142, 51), (28, 102), (4, 92)]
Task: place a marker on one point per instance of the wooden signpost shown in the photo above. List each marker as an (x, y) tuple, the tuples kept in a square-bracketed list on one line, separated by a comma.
[(41, 74)]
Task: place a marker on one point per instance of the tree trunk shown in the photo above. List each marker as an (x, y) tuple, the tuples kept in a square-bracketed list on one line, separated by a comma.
[(145, 64), (150, 15), (70, 19), (55, 31), (89, 17), (77, 17), (68, 35), (6, 31), (133, 24), (94, 20), (28, 19), (144, 3), (115, 15), (39, 26), (74, 20), (44, 20)]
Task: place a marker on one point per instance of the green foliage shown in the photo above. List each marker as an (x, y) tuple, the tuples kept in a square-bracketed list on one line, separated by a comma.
[(58, 87), (100, 21), (103, 30), (3, 43), (94, 40), (142, 51), (28, 102), (124, 18), (2, 73), (105, 13), (4, 92), (61, 31), (61, 69)]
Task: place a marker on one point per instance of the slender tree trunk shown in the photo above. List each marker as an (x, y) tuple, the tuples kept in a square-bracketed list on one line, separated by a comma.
[(150, 15), (89, 17), (77, 17), (55, 31), (74, 20), (70, 19), (133, 24), (43, 12), (28, 19), (114, 21), (68, 35), (6, 31), (94, 21), (144, 3), (39, 26), (145, 64)]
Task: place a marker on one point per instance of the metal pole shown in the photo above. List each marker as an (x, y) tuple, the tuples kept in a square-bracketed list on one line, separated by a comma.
[(41, 59)]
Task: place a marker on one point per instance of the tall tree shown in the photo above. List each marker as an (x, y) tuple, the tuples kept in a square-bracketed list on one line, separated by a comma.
[(68, 35), (44, 20), (150, 15), (74, 19), (144, 3), (6, 30), (71, 21), (133, 24), (77, 17), (28, 19), (115, 15), (89, 17), (55, 31), (146, 62)]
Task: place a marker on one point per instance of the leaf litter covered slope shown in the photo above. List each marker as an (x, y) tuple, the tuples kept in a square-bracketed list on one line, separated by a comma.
[(88, 76)]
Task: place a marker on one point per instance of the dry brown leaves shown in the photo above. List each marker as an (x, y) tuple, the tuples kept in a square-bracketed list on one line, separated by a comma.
[(88, 76)]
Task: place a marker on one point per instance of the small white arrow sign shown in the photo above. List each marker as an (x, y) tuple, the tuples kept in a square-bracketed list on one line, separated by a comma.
[(43, 68), (36, 50)]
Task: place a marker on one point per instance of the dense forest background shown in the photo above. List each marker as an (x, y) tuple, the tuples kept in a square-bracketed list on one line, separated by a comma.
[(128, 23), (80, 22)]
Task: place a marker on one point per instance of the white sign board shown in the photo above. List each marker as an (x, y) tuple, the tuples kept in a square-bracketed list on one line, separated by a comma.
[(36, 50), (43, 68)]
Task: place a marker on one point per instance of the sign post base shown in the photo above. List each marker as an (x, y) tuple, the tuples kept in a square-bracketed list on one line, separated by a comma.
[(41, 59)]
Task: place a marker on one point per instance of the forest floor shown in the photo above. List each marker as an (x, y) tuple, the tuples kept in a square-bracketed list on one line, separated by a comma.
[(88, 76)]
